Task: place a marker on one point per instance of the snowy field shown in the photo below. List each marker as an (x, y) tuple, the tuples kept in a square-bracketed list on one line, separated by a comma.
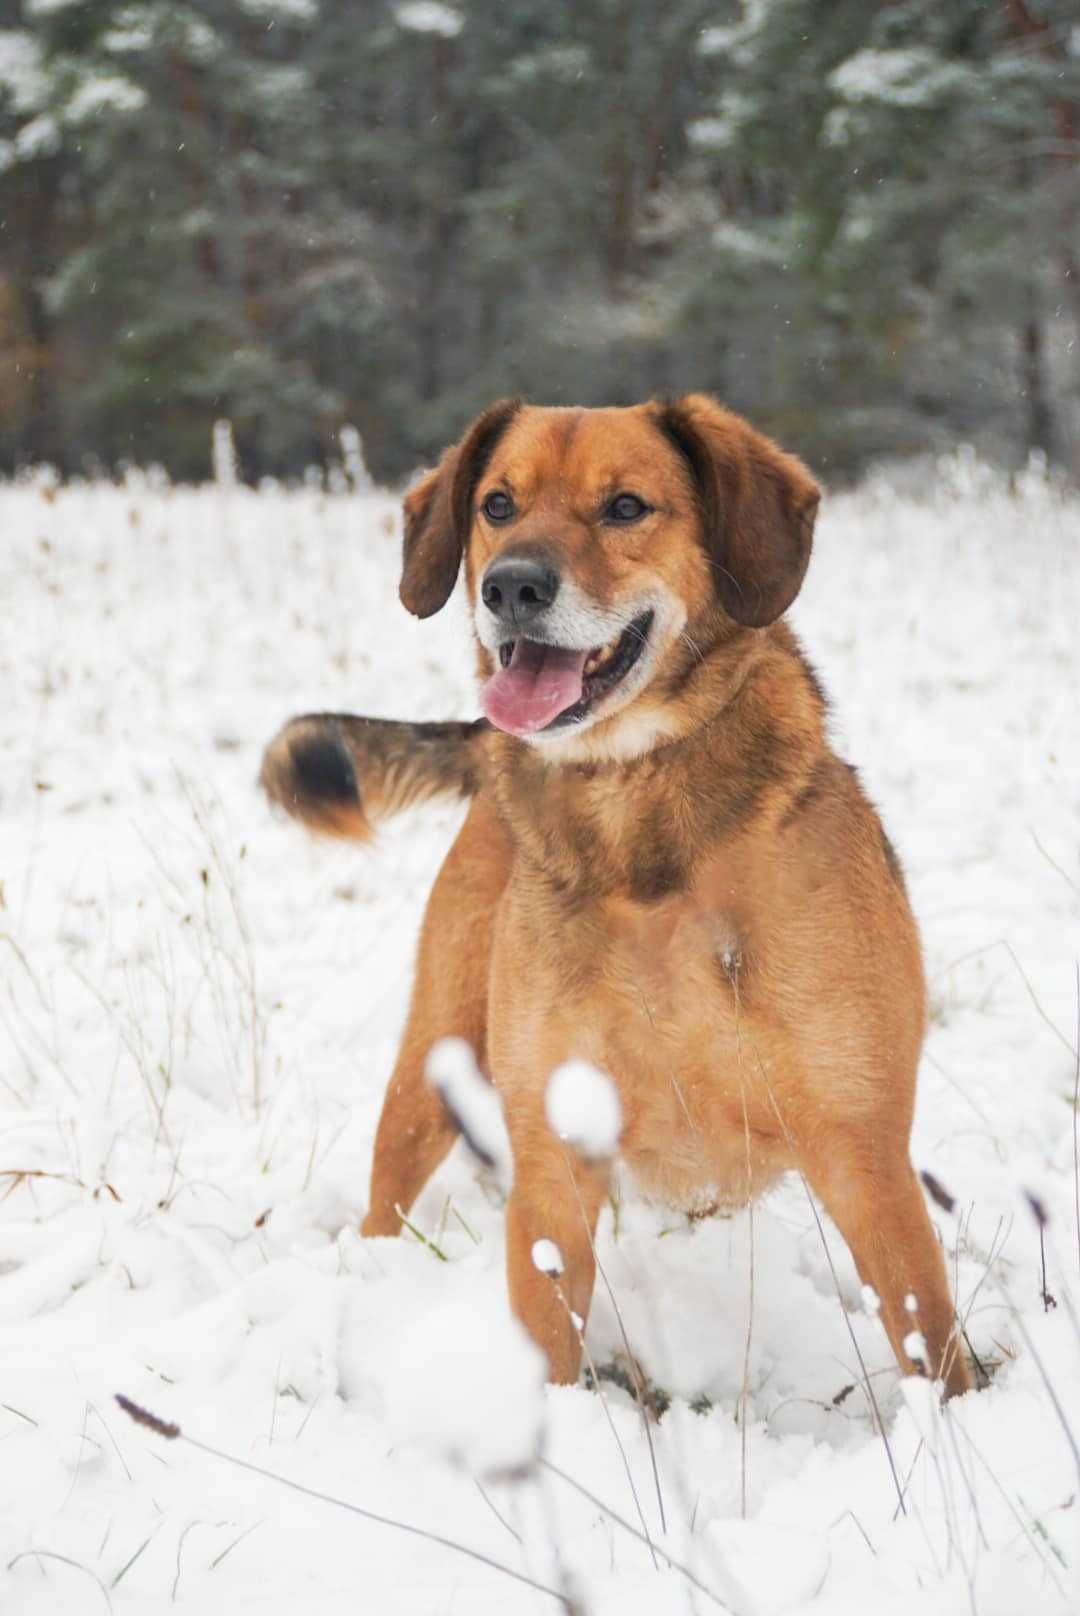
[(198, 1012)]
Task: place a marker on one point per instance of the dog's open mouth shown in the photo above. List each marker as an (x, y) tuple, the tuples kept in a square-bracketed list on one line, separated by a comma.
[(540, 686)]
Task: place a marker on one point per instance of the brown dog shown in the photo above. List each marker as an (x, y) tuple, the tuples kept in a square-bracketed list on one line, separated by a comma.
[(664, 869)]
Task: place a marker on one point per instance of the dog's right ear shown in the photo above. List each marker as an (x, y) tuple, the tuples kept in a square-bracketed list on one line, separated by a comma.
[(757, 507), (438, 512)]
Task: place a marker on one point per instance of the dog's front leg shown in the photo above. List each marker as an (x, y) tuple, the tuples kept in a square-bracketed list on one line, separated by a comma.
[(449, 1000), (876, 1203), (556, 1197)]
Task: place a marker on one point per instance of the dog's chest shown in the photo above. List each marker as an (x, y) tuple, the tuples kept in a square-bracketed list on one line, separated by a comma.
[(683, 1038), (666, 998)]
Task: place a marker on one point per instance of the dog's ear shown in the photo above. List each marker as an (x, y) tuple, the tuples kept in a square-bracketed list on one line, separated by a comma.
[(438, 512), (757, 507)]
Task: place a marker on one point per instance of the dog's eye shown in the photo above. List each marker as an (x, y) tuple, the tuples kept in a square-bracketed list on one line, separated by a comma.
[(625, 508), (498, 507)]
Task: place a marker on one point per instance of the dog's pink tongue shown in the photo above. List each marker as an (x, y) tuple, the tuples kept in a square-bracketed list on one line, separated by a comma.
[(540, 682)]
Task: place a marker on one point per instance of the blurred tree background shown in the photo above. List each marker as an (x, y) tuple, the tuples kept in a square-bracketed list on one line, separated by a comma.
[(858, 221)]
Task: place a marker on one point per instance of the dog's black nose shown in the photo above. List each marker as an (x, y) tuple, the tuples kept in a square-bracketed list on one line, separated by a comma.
[(518, 588)]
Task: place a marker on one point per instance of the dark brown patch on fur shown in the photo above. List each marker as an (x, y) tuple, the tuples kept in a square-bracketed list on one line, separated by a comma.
[(892, 859), (660, 867), (815, 788), (674, 804)]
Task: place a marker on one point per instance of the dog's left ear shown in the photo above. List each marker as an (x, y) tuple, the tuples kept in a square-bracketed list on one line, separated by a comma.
[(438, 513), (758, 506)]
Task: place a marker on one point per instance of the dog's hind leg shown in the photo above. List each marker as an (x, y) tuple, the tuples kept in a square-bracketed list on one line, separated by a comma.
[(449, 999)]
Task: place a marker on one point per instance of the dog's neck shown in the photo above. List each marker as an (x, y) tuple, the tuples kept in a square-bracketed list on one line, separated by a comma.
[(735, 733)]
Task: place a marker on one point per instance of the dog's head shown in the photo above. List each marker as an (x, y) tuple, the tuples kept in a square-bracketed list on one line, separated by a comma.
[(604, 551)]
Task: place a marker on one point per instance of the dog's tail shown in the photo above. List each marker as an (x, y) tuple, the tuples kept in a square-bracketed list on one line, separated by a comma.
[(344, 775)]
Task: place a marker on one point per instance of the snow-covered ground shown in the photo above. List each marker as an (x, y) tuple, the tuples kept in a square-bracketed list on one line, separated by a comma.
[(198, 1013)]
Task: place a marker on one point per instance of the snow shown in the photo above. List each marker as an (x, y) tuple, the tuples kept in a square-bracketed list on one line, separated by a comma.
[(136, 35), (769, 1572), (199, 1010), (96, 95), (429, 17), (912, 77), (582, 1107), (478, 1400), (21, 75), (287, 10), (38, 138)]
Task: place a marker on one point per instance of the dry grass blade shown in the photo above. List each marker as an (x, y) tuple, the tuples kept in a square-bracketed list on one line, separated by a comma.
[(500, 1518), (22, 1175), (190, 1527), (1019, 1519), (850, 1515), (1076, 1121), (631, 1359), (858, 1353), (19, 1414), (611, 1423), (620, 1520), (127, 1565), (1038, 1212), (6, 937), (1054, 865), (173, 1433), (216, 1561), (1044, 1375), (50, 1554), (423, 1239)]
